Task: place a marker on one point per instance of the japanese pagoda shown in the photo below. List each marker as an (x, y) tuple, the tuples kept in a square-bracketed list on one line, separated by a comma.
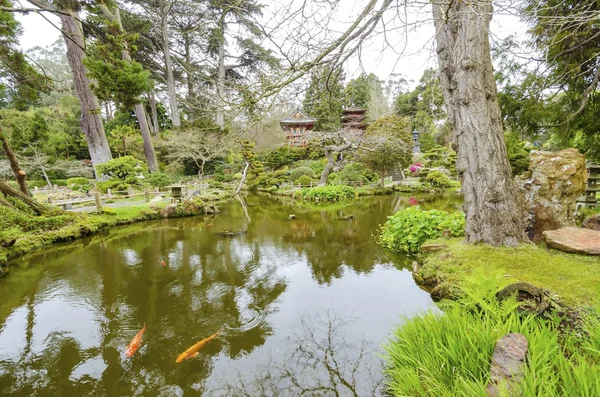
[(354, 120), (296, 125)]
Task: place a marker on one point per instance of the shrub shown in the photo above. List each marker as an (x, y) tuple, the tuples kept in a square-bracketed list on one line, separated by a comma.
[(437, 179), (329, 193), (77, 181), (356, 172), (449, 353), (123, 168), (296, 173), (304, 180), (284, 155), (158, 179), (215, 184), (116, 186), (408, 229)]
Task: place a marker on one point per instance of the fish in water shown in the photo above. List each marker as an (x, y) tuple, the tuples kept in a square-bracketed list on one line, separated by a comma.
[(193, 351), (162, 263), (209, 225), (135, 343)]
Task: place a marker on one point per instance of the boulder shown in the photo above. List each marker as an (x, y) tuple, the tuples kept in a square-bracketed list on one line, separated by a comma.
[(508, 365), (574, 240), (550, 188), (157, 199), (593, 222), (433, 247)]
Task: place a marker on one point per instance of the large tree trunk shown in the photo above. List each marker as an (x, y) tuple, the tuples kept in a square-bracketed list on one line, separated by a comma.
[(330, 150), (140, 113), (189, 71), (91, 118), (467, 80), (154, 112), (220, 120), (20, 175), (175, 119)]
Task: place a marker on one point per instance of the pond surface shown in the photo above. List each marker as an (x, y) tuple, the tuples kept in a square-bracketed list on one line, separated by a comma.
[(304, 304)]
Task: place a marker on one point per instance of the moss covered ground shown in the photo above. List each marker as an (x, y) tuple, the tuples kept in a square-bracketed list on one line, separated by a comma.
[(573, 280), (22, 233)]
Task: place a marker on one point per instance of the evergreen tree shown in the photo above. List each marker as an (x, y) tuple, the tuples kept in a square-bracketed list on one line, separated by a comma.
[(324, 98)]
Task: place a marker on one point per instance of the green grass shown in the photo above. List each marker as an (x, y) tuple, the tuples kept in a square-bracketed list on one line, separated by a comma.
[(574, 278), (449, 353)]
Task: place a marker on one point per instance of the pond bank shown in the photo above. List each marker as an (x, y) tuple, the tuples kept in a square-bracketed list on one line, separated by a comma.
[(571, 280), (77, 225)]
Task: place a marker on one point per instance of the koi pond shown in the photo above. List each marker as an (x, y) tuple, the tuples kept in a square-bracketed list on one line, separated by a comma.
[(304, 304)]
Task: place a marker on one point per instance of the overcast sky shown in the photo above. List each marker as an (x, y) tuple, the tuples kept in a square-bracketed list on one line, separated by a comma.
[(404, 51)]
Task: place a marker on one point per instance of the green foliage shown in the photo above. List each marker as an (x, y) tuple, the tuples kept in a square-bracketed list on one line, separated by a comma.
[(326, 194), (296, 173), (518, 153), (284, 155), (115, 78), (323, 100), (117, 186), (303, 180), (77, 181), (157, 179), (353, 172), (441, 156), (408, 229), (449, 353), (123, 168), (366, 92), (437, 179)]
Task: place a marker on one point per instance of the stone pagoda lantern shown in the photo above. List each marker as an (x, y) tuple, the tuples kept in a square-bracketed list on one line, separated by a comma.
[(296, 125), (354, 120), (589, 200), (416, 143)]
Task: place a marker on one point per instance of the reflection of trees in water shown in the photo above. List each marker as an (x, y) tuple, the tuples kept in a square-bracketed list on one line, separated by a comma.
[(207, 282), (319, 362)]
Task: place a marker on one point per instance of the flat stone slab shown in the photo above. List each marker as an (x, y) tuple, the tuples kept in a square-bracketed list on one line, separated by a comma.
[(574, 240), (433, 247), (508, 365)]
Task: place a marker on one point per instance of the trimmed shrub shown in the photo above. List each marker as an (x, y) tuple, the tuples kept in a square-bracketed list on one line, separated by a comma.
[(296, 173), (327, 194), (437, 179), (77, 181), (408, 229), (158, 179), (304, 180)]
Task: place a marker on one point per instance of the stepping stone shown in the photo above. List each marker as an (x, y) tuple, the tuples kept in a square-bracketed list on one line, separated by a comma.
[(574, 240), (508, 365)]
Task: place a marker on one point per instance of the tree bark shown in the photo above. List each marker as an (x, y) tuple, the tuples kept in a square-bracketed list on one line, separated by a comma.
[(38, 208), (140, 113), (382, 182), (220, 120), (154, 112), (171, 92), (20, 175), (187, 42), (91, 118), (329, 151), (467, 80), (243, 180)]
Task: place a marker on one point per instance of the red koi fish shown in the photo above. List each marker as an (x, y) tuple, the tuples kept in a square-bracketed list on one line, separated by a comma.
[(162, 263), (193, 351), (135, 343)]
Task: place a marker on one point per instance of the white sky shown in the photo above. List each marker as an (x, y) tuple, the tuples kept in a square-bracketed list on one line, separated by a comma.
[(408, 53)]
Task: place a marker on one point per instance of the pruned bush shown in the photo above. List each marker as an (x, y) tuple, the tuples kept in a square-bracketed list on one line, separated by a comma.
[(77, 181), (123, 168), (158, 179), (327, 194), (437, 178), (304, 180), (408, 229), (296, 173)]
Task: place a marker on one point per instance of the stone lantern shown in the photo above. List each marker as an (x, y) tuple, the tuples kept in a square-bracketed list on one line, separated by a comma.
[(589, 200), (416, 143), (296, 125)]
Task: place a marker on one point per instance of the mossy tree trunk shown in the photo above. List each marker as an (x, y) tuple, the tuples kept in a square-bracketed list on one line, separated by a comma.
[(8, 191), (467, 80), (20, 175), (330, 151)]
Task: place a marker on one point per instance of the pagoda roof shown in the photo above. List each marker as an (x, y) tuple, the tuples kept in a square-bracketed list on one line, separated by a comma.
[(298, 118)]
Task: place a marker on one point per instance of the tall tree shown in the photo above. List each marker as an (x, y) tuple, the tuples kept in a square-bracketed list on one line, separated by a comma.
[(91, 119), (324, 98), (366, 92), (120, 77), (467, 80)]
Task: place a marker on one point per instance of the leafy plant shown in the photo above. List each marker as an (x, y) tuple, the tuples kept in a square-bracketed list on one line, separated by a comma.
[(304, 180), (296, 173), (77, 181), (437, 179), (158, 179), (329, 193), (408, 229), (450, 352), (123, 168)]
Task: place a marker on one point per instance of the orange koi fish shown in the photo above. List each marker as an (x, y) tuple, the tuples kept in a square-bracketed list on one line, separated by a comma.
[(162, 263), (193, 351), (209, 225), (135, 343)]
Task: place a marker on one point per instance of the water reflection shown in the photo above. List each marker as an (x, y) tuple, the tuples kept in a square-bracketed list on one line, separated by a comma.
[(67, 313)]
